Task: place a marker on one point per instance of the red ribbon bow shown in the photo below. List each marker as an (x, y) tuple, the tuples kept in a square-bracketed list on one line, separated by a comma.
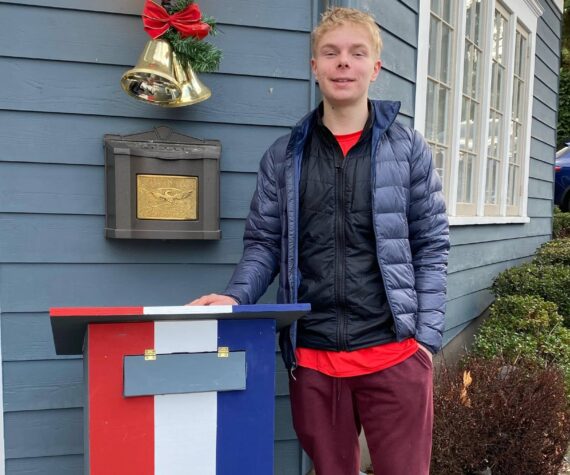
[(187, 22)]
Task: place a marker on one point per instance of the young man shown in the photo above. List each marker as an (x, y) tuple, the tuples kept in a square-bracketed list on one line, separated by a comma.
[(348, 210)]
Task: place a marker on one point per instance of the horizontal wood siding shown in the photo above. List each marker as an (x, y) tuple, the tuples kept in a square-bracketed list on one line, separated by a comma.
[(62, 61), (479, 253)]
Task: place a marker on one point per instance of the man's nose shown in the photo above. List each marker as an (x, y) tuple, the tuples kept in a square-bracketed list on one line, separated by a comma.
[(343, 61)]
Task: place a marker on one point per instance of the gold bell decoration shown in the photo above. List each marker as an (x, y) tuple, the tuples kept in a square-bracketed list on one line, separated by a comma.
[(192, 89), (165, 73), (153, 78)]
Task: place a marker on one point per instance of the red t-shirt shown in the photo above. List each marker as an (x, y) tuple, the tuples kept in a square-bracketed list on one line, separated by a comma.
[(365, 360)]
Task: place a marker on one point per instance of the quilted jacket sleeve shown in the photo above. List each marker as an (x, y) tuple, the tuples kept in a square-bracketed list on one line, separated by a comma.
[(262, 239), (429, 242)]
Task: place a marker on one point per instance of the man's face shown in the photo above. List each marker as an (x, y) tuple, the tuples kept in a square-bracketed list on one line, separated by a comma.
[(345, 64)]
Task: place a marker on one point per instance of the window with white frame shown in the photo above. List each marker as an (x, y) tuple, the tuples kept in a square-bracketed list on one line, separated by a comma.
[(473, 103)]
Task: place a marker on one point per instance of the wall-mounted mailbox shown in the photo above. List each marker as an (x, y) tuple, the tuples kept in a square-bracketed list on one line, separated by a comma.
[(162, 185)]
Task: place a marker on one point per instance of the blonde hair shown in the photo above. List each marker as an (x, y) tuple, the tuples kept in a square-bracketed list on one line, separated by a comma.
[(339, 16)]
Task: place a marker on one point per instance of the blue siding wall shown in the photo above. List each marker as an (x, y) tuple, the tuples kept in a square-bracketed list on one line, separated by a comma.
[(61, 62)]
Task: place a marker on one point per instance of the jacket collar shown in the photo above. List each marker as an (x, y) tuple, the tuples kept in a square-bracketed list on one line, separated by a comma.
[(385, 112)]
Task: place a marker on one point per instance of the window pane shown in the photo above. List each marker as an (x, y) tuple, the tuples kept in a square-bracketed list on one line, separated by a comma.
[(433, 30), (491, 186), (445, 62), (497, 118), (440, 83), (442, 122), (470, 135), (447, 11), (519, 101), (430, 123), (436, 7)]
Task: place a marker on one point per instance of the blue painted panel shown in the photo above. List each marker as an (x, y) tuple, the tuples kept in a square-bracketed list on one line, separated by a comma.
[(551, 17), (398, 18), (245, 418), (75, 189), (546, 74), (43, 433), (472, 280), (293, 14), (29, 137), (75, 238), (485, 253), (283, 421), (388, 86), (543, 132), (235, 99), (542, 151), (544, 93), (467, 308), (542, 170), (398, 57), (287, 458), (540, 189), (40, 385), (461, 235), (183, 373), (543, 113), (60, 465), (67, 35), (109, 285), (539, 207)]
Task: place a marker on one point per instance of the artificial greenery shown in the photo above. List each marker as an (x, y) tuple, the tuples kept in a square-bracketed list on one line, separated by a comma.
[(556, 252), (551, 282), (525, 327), (204, 57), (560, 224)]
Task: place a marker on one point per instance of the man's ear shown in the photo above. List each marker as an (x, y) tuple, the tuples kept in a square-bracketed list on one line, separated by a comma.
[(314, 66), (377, 68)]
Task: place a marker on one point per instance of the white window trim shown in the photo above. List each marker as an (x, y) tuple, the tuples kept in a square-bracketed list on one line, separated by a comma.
[(525, 12)]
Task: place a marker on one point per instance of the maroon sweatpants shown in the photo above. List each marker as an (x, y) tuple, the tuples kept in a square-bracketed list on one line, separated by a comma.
[(394, 406)]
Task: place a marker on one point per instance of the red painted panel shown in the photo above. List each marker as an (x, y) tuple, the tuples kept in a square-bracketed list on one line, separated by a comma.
[(94, 311), (121, 430)]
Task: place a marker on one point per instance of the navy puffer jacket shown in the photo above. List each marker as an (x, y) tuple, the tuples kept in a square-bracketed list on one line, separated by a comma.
[(409, 219)]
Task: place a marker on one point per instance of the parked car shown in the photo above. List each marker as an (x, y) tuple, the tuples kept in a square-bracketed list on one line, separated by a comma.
[(562, 178)]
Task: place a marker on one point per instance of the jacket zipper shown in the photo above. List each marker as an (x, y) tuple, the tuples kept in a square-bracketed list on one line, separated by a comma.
[(339, 254)]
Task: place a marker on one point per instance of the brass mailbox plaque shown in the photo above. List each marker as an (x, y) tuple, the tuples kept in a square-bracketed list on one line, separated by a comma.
[(167, 197)]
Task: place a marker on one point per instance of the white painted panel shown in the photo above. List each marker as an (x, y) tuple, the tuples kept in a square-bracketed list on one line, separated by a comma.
[(185, 424), (187, 310), (186, 337), (185, 433)]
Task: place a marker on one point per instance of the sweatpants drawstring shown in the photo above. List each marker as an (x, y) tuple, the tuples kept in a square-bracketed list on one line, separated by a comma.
[(335, 393)]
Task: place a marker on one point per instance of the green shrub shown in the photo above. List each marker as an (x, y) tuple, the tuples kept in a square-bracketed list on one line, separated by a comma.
[(560, 224), (554, 252), (551, 282), (525, 327), (509, 419)]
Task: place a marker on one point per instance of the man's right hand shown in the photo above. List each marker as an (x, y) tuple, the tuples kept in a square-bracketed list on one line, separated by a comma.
[(213, 299)]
